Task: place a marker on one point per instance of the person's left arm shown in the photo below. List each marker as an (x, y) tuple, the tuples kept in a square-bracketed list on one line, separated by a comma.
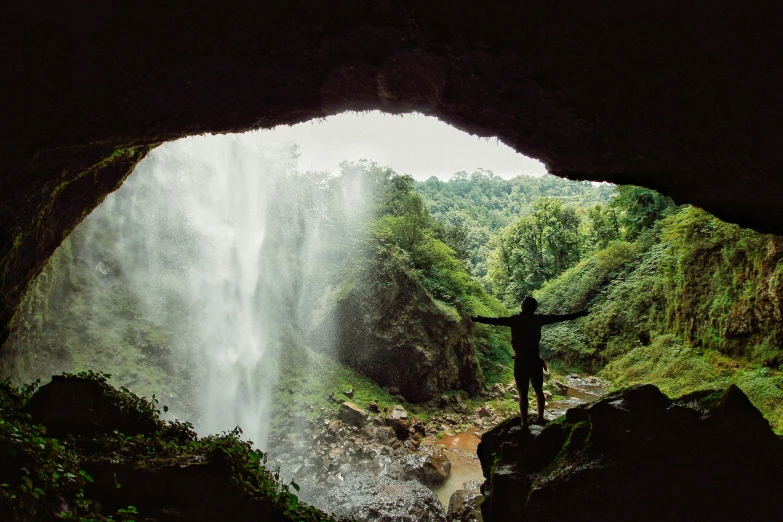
[(549, 319)]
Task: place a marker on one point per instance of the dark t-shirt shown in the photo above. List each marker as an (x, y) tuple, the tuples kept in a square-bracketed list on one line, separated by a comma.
[(526, 332)]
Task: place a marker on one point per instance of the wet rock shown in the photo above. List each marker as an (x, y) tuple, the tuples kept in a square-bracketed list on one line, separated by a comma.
[(365, 497), (430, 467), (333, 427), (402, 339), (486, 411), (560, 387), (637, 452), (383, 435), (397, 419), (465, 506), (352, 414)]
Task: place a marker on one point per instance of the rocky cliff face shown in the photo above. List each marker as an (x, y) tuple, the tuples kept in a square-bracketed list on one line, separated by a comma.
[(394, 332), (637, 455), (729, 296)]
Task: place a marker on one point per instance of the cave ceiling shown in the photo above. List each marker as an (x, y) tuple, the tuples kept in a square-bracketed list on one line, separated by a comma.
[(683, 97)]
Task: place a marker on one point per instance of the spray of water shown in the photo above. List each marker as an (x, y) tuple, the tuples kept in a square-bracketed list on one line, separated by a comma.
[(226, 244)]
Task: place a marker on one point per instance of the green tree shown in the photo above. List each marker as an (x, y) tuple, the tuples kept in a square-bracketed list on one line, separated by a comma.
[(535, 249), (602, 226), (640, 208)]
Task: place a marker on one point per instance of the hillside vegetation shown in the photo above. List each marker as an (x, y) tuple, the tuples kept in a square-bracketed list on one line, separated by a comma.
[(678, 298)]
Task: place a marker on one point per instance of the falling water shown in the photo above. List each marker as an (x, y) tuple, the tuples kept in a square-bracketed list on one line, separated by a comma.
[(224, 244)]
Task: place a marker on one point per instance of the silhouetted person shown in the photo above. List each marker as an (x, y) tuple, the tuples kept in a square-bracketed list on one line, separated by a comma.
[(525, 338)]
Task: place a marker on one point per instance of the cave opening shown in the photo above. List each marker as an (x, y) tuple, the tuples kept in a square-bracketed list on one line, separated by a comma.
[(366, 274), (677, 98)]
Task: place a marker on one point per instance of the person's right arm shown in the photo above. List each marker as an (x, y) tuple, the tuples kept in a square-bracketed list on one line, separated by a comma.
[(499, 321)]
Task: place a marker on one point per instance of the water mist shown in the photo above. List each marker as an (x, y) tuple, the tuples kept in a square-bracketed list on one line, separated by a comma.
[(229, 247)]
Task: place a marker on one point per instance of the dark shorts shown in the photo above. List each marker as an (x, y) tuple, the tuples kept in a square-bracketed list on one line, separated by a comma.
[(532, 372)]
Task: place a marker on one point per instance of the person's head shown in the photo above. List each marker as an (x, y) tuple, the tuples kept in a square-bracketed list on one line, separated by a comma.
[(529, 305)]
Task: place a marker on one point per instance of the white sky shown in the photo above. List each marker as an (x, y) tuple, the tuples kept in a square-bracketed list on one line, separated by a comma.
[(414, 144)]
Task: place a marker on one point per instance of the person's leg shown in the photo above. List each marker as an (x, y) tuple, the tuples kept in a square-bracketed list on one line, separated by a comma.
[(522, 386), (537, 379), (541, 403)]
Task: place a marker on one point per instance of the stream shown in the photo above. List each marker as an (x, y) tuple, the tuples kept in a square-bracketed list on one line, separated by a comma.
[(359, 464), (461, 447)]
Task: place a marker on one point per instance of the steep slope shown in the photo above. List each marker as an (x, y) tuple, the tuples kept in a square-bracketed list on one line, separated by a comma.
[(692, 303), (392, 330)]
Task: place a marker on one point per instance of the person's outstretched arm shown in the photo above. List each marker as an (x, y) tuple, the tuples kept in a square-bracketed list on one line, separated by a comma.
[(499, 321), (549, 319)]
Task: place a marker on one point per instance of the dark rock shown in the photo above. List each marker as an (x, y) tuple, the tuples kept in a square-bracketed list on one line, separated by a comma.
[(75, 406), (645, 397), (561, 387), (637, 452), (384, 435), (574, 415), (193, 489), (486, 411), (401, 338), (350, 413), (333, 427), (733, 411), (465, 506), (431, 467), (373, 407), (397, 419)]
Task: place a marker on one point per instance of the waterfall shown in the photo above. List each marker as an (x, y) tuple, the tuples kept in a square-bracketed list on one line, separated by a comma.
[(228, 247)]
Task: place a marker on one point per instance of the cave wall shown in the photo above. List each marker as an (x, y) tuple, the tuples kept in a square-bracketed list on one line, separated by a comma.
[(681, 97)]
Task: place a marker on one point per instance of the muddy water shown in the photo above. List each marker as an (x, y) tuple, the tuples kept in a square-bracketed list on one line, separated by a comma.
[(461, 447), (465, 466)]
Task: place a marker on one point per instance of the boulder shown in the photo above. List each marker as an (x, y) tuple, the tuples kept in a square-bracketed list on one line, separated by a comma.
[(397, 419), (352, 414), (79, 406), (486, 411), (198, 489), (383, 435), (560, 387), (400, 337), (429, 467), (465, 504), (638, 454)]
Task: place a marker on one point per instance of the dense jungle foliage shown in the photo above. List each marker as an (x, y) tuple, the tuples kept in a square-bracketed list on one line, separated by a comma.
[(678, 298)]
